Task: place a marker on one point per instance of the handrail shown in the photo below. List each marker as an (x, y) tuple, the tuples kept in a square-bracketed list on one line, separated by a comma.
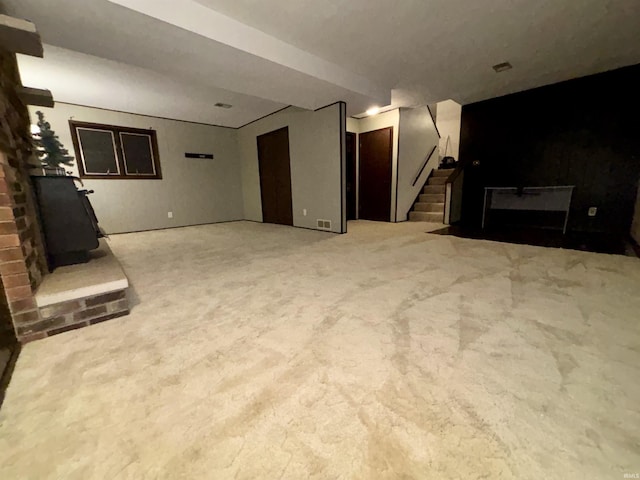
[(434, 121), (426, 160)]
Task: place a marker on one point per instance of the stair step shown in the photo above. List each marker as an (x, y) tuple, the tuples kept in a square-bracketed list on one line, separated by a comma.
[(432, 198), (445, 172), (437, 180), (428, 207), (433, 189), (435, 217)]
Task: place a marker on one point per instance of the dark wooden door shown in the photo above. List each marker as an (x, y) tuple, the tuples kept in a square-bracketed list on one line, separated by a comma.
[(375, 174), (275, 177), (351, 176)]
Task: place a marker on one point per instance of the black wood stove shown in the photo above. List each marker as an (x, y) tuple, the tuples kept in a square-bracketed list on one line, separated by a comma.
[(68, 221)]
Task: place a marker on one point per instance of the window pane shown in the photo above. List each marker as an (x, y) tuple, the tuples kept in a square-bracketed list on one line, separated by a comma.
[(98, 151), (138, 155)]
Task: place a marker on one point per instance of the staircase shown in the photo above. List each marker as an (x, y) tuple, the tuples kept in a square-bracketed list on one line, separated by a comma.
[(430, 204)]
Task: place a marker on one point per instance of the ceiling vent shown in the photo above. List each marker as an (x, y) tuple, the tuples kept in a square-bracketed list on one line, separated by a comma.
[(502, 67), (222, 105)]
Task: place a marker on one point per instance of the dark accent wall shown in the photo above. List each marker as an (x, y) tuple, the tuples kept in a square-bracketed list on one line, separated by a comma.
[(583, 132)]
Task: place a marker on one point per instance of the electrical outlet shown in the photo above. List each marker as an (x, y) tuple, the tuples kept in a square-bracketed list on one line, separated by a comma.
[(593, 211), (304, 212), (169, 214)]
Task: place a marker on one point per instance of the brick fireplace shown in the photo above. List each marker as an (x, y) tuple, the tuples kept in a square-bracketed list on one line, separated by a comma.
[(22, 256), (33, 303)]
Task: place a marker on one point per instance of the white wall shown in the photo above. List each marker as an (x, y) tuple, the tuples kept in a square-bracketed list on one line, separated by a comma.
[(196, 191), (315, 155), (416, 139), (376, 122), (448, 120), (353, 125), (635, 226)]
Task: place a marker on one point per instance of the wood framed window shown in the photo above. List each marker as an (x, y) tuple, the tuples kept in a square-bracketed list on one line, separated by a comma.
[(112, 152)]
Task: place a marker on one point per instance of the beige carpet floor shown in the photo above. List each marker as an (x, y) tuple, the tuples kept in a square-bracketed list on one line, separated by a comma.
[(265, 352)]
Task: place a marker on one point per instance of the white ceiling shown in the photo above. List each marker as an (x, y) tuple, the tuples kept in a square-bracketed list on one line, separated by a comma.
[(309, 53), (441, 49), (107, 30)]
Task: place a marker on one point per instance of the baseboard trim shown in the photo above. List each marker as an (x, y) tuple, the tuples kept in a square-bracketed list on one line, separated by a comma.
[(296, 226), (177, 226), (223, 221)]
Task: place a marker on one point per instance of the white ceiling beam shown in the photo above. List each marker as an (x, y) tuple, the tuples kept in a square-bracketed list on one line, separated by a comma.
[(205, 22), (19, 36)]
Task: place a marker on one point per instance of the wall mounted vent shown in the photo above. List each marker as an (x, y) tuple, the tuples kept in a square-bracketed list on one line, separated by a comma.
[(324, 224)]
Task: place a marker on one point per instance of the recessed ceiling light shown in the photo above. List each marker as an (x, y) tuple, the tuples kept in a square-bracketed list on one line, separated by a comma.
[(373, 111), (502, 67), (222, 105)]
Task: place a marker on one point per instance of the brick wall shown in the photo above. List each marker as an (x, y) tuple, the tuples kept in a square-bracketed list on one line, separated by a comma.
[(22, 257)]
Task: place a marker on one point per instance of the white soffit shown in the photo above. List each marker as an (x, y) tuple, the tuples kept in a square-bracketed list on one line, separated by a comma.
[(82, 79), (197, 18)]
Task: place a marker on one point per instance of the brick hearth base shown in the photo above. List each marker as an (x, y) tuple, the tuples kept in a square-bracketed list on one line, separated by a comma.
[(65, 316), (77, 296)]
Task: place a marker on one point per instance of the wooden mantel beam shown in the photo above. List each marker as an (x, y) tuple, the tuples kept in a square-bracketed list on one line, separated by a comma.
[(20, 36), (35, 96)]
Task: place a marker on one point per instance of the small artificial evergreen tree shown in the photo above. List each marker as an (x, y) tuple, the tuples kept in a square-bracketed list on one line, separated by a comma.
[(51, 152)]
